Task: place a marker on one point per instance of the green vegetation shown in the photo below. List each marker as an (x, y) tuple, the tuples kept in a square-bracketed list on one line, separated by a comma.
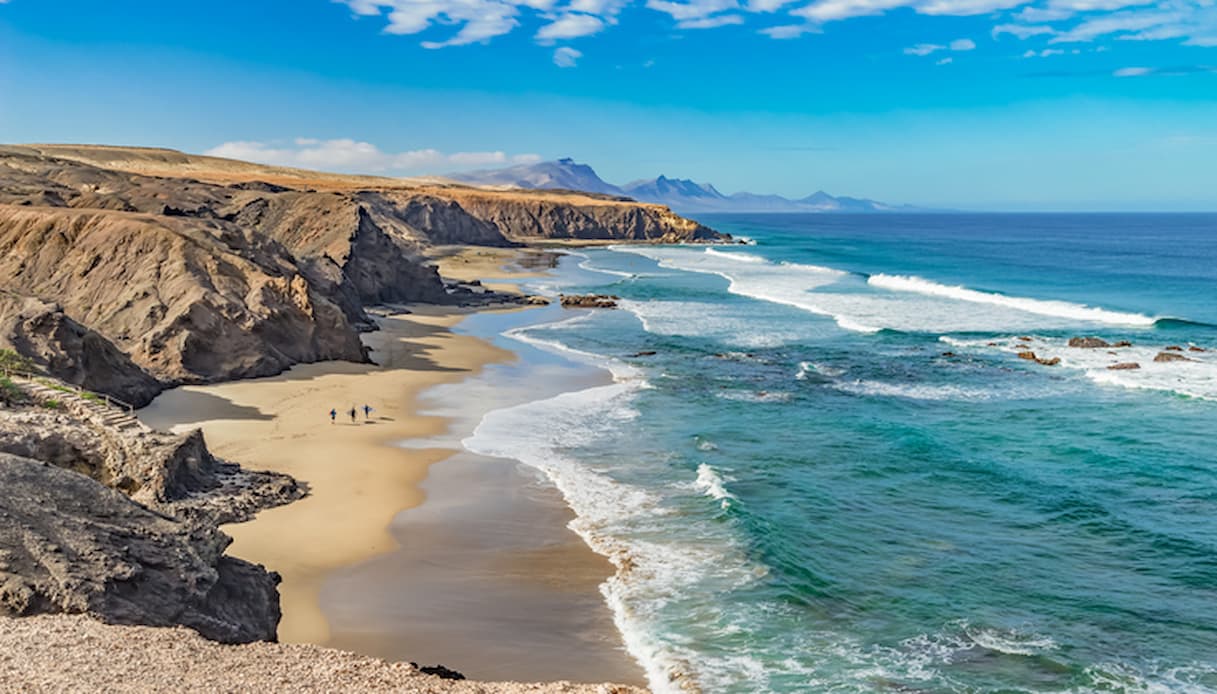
[(10, 361), (10, 394), (92, 397), (52, 404)]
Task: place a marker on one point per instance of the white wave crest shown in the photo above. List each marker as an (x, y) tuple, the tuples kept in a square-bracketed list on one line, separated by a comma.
[(915, 391), (713, 484), (1054, 308)]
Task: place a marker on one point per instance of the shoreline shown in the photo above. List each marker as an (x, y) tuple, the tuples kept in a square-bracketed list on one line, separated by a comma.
[(361, 480)]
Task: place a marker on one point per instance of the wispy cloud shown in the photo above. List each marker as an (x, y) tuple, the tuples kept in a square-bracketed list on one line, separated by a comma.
[(361, 157), (923, 49), (566, 56), (463, 22)]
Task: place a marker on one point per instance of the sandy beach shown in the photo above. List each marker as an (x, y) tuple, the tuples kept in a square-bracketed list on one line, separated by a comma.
[(360, 479), (357, 480)]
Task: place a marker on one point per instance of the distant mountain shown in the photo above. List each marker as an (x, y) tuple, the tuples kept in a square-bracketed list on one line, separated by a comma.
[(565, 174), (682, 195)]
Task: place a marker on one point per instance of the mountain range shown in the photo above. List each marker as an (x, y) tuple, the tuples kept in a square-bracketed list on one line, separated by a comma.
[(681, 195)]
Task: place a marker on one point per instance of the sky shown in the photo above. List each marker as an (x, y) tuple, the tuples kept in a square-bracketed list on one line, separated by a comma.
[(967, 104)]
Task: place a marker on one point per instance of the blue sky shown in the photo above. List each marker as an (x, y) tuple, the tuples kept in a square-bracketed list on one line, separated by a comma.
[(982, 104)]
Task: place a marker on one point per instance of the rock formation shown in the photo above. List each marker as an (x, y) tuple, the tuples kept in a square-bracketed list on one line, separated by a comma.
[(1169, 357), (1088, 342), (201, 269), (69, 544), (1124, 366), (588, 300), (69, 351)]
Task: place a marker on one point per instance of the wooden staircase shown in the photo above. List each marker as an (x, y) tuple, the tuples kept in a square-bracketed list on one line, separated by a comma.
[(107, 411)]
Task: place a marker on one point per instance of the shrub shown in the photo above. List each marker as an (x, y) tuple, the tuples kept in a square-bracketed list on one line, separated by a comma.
[(12, 361), (10, 394), (52, 404)]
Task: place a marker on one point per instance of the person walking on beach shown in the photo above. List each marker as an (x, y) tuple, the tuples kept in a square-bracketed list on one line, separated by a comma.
[(352, 413), (333, 415), (367, 411)]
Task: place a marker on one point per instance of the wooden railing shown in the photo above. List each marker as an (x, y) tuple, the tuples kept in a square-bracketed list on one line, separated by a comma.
[(56, 384)]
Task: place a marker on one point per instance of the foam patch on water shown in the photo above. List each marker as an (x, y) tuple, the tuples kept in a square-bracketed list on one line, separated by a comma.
[(916, 391), (1059, 309), (1196, 377), (712, 321)]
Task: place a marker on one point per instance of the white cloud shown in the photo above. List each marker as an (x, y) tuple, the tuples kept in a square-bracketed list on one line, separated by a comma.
[(446, 23), (945, 61), (355, 156), (1022, 31), (567, 56), (1046, 53), (928, 48), (570, 26), (710, 22), (923, 49), (789, 31), (1132, 71)]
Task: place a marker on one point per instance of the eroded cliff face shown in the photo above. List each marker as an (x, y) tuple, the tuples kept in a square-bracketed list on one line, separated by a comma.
[(198, 272), (71, 352), (561, 217), (188, 300)]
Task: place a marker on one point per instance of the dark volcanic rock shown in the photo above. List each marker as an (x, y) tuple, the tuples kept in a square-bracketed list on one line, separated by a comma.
[(589, 300), (70, 351), (1170, 356), (1088, 342), (69, 544)]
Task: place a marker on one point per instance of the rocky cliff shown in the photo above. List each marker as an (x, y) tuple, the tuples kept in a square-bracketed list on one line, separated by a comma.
[(70, 544), (200, 269), (70, 351)]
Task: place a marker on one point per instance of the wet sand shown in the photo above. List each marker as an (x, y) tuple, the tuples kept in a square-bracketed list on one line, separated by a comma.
[(484, 577)]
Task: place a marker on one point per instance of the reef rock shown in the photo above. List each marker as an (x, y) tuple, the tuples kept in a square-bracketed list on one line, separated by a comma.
[(589, 300), (1170, 356), (1088, 342), (1124, 366)]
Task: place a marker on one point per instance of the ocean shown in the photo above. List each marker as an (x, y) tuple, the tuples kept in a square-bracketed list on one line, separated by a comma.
[(820, 464)]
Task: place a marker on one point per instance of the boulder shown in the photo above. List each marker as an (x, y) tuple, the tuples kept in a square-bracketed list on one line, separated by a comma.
[(589, 300), (1174, 348), (71, 545), (1124, 366), (534, 300), (1194, 348), (1170, 356), (1122, 343), (1088, 342)]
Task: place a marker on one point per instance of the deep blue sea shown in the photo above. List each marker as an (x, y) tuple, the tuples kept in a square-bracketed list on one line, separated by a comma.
[(822, 466)]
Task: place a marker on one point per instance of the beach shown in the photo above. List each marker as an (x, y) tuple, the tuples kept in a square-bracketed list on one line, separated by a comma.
[(360, 478)]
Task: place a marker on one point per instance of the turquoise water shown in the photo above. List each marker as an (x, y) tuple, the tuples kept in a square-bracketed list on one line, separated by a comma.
[(834, 474)]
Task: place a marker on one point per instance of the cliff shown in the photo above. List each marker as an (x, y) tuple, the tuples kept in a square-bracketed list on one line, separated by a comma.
[(69, 351)]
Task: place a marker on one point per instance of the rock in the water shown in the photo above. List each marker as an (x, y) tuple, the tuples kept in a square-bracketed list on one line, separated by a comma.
[(589, 301), (1124, 366), (1031, 356), (1174, 348), (1087, 342), (69, 544), (534, 300), (1170, 356), (1122, 343), (644, 353), (1194, 348)]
